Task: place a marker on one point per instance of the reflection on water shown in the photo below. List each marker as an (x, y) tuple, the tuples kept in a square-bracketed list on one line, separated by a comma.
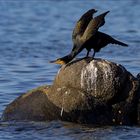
[(34, 32)]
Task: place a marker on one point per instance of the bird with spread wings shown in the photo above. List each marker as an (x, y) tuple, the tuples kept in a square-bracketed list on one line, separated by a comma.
[(86, 35)]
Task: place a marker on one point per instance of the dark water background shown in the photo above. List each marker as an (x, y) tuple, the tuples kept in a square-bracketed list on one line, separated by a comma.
[(32, 32)]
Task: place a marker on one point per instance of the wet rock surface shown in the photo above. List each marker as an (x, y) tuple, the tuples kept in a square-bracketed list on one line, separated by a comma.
[(84, 91), (28, 106)]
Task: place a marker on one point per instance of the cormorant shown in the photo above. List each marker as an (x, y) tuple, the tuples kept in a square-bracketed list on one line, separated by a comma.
[(86, 35), (79, 29)]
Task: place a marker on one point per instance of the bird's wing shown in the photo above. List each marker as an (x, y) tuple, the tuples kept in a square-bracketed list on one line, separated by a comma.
[(93, 26), (82, 23)]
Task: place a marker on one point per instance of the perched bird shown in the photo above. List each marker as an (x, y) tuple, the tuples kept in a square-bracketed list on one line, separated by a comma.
[(88, 37), (100, 41), (81, 26), (79, 29)]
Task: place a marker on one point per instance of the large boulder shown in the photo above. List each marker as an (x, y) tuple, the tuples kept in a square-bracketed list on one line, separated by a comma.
[(88, 90)]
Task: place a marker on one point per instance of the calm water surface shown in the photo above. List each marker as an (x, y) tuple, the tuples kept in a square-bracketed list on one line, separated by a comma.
[(36, 31)]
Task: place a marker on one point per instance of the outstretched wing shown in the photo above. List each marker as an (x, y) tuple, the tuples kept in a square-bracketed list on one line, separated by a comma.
[(82, 23), (93, 27)]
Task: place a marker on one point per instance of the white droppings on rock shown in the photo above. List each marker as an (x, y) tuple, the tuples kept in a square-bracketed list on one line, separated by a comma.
[(107, 76), (106, 70), (58, 71), (67, 92), (89, 77), (62, 109), (58, 89)]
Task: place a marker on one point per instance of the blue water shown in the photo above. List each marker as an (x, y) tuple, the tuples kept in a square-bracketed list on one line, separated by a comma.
[(36, 31)]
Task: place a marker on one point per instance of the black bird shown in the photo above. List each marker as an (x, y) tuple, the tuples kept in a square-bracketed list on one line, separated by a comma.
[(89, 38), (101, 40), (78, 31), (80, 28)]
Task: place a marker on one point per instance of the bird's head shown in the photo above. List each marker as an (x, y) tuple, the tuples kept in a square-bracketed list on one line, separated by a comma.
[(64, 60), (58, 61)]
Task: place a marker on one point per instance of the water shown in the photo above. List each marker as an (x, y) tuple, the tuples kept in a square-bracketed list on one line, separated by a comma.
[(36, 31)]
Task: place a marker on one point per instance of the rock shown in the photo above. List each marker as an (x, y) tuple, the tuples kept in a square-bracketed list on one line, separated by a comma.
[(28, 106), (84, 91), (138, 76)]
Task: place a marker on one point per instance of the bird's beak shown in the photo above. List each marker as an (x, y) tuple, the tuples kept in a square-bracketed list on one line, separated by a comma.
[(58, 61)]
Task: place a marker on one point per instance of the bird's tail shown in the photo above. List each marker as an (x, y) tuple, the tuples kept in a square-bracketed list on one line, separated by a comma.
[(114, 41), (63, 60)]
